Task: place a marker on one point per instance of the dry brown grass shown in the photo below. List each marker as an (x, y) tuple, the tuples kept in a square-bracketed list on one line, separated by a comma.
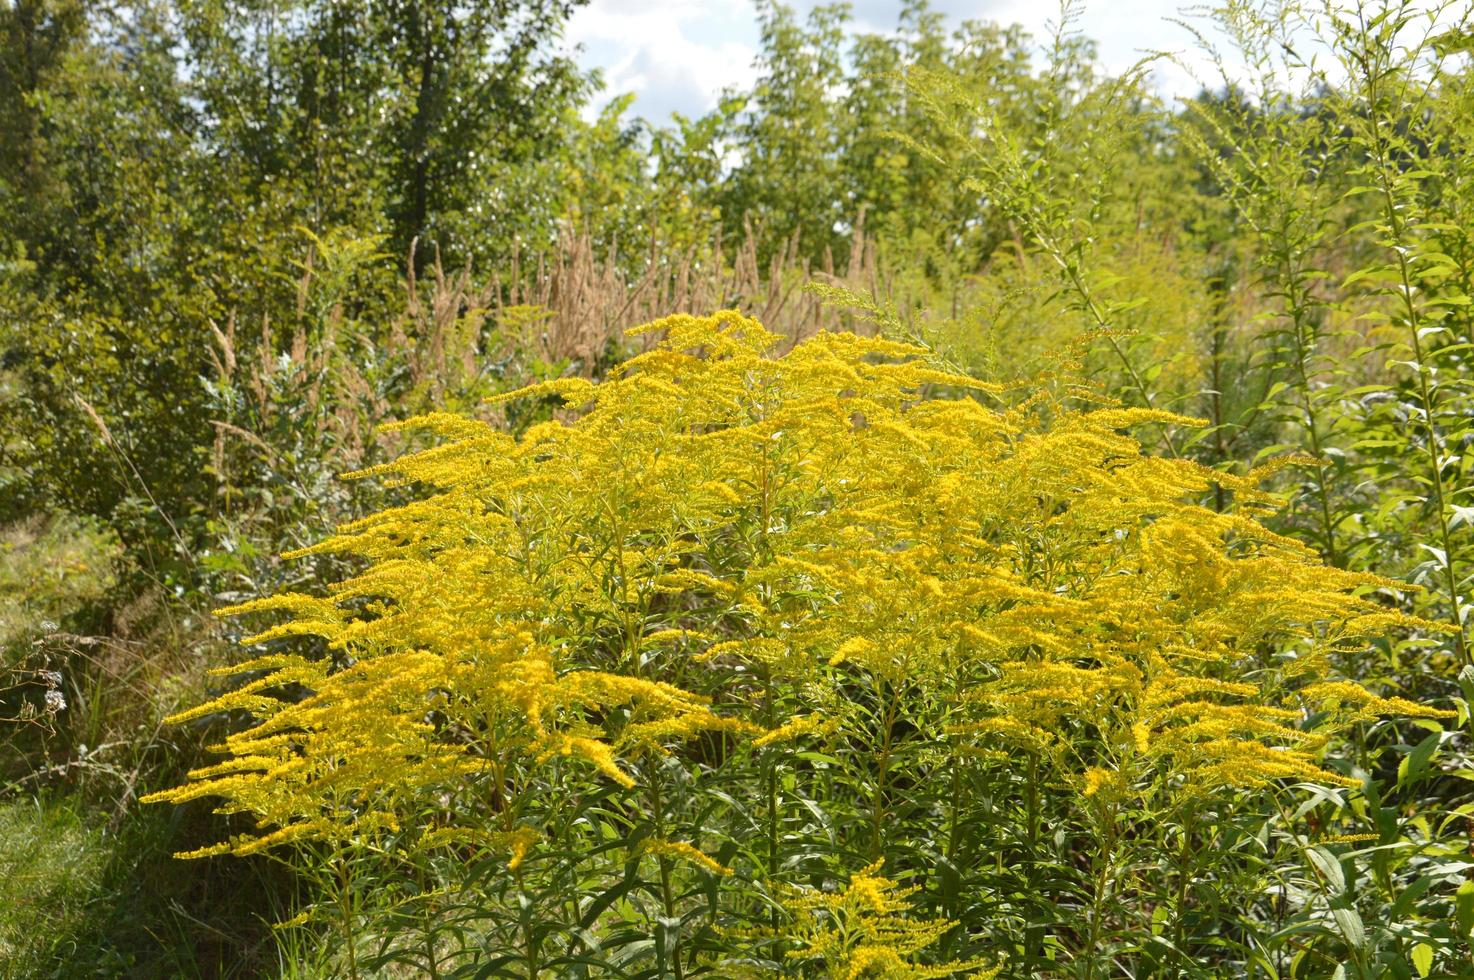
[(585, 302)]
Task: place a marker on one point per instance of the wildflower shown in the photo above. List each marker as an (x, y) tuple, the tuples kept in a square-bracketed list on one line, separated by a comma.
[(867, 931), (685, 852), (1030, 577)]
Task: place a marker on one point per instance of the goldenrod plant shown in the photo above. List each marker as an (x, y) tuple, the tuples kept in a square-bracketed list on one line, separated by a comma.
[(867, 931), (722, 555), (1272, 163), (1408, 163)]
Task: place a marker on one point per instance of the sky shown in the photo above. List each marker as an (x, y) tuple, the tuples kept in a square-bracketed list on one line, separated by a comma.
[(678, 55)]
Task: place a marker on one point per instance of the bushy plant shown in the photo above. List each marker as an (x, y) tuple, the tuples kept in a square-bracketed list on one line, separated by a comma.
[(744, 620)]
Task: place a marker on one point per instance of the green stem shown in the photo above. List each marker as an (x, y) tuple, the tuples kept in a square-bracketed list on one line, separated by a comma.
[(1032, 796), (1087, 300), (1358, 955), (1297, 301), (1184, 878), (667, 896), (670, 913), (432, 960), (1103, 860), (345, 909), (887, 745), (529, 936), (954, 822), (771, 776)]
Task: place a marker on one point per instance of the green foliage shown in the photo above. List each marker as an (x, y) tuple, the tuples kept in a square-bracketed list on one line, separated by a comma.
[(241, 236), (50, 571), (85, 898), (414, 119), (728, 557), (166, 156), (1400, 152), (49, 865)]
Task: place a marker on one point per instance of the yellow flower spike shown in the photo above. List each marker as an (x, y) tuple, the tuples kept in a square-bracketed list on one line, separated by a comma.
[(1350, 839), (575, 392), (855, 646), (685, 852), (1360, 704), (1141, 736), (797, 727)]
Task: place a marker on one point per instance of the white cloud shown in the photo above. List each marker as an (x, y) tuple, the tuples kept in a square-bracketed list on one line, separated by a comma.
[(1125, 31), (675, 55), (678, 55)]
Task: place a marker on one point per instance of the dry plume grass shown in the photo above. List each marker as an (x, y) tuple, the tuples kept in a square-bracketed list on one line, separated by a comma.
[(587, 301)]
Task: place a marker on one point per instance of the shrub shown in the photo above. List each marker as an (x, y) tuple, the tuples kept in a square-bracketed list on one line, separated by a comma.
[(739, 621)]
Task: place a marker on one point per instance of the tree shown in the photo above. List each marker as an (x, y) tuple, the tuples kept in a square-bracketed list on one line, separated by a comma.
[(423, 120)]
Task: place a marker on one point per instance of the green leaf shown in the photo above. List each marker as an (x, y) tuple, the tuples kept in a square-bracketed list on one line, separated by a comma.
[(1453, 41), (1329, 867), (1349, 922), (1466, 682), (1410, 895), (1415, 763), (1423, 959), (1464, 908), (610, 896)]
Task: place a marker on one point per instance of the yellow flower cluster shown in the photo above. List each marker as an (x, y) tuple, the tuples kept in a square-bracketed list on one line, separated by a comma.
[(847, 509), (866, 931), (682, 851)]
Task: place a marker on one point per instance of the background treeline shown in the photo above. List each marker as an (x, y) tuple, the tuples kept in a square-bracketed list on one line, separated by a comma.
[(168, 167), (238, 236)]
